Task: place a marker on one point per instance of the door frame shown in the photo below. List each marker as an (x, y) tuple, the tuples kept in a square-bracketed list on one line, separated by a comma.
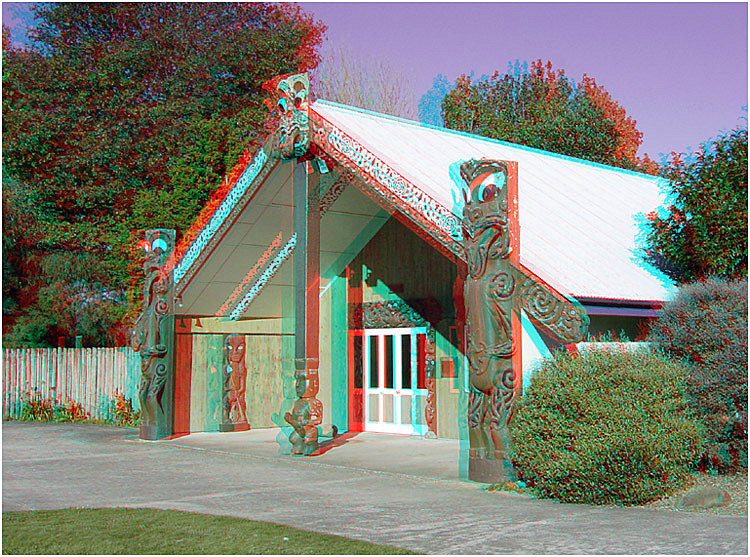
[(397, 391)]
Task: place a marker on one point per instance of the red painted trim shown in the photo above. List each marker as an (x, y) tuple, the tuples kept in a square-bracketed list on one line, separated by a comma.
[(515, 227), (353, 296), (183, 374), (516, 329)]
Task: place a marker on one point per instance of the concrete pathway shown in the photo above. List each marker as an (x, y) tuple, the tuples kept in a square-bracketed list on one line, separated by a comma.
[(384, 489)]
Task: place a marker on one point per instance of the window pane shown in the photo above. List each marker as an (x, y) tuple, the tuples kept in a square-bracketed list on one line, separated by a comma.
[(388, 409), (357, 361), (405, 409), (373, 362), (389, 362), (406, 361), (373, 408)]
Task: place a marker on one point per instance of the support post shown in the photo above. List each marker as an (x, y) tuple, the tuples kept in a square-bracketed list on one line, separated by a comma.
[(307, 412), (153, 337)]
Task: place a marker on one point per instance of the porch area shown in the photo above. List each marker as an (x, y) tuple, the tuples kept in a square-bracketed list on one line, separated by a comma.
[(379, 453)]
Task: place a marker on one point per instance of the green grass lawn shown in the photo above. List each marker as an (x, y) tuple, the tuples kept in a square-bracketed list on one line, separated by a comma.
[(152, 531)]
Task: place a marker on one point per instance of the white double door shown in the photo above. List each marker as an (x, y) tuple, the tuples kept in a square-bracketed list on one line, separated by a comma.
[(395, 394)]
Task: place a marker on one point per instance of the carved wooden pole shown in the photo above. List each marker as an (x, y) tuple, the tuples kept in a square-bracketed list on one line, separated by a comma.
[(234, 369), (307, 412), (153, 337), (290, 132), (496, 290)]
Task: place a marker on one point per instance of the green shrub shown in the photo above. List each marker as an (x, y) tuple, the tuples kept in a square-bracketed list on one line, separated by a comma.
[(605, 428), (706, 327)]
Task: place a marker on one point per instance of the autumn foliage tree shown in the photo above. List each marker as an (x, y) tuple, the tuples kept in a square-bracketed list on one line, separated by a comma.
[(703, 231), (125, 116), (541, 107)]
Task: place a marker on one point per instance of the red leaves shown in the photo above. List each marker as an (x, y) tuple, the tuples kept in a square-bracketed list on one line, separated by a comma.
[(629, 137)]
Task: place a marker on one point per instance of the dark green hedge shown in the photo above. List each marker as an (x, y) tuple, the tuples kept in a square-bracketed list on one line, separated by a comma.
[(705, 326), (605, 428)]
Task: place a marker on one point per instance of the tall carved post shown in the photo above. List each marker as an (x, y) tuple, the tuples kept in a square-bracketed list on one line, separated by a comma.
[(430, 410), (153, 338), (307, 412), (495, 292), (289, 126)]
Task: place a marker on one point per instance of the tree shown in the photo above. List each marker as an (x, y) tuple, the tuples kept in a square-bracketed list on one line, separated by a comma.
[(704, 230), (542, 108), (370, 83), (127, 115)]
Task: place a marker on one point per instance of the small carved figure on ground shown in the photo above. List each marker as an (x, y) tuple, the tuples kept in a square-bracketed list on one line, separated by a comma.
[(305, 416)]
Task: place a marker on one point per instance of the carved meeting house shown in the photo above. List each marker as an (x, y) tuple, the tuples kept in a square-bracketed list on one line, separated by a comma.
[(365, 273)]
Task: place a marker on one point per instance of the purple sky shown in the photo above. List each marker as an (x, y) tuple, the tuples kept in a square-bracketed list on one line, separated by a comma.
[(680, 70)]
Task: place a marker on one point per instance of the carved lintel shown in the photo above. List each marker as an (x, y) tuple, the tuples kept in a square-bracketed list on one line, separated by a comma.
[(384, 315)]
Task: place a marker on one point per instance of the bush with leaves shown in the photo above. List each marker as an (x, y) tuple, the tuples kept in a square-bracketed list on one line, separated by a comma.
[(703, 231), (124, 414), (543, 108), (605, 428), (705, 325), (34, 408)]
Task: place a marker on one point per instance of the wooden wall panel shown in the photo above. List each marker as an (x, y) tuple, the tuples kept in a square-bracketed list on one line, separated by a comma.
[(183, 379), (198, 383), (214, 370), (264, 395)]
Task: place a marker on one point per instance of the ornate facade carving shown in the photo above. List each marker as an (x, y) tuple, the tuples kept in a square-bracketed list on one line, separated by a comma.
[(437, 224), (216, 218), (384, 315), (495, 289), (153, 335), (430, 410), (288, 122)]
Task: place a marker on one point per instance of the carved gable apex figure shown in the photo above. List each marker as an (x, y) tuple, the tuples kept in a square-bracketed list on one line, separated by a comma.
[(288, 120)]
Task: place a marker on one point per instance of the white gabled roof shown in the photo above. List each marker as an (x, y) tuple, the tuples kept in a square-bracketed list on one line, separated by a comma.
[(579, 221)]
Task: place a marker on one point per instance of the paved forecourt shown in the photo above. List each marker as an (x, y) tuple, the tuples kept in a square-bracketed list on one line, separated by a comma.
[(384, 489)]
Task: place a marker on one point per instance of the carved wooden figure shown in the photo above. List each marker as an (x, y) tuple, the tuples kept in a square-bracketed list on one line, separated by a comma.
[(288, 122), (153, 337), (306, 414), (235, 382), (495, 291)]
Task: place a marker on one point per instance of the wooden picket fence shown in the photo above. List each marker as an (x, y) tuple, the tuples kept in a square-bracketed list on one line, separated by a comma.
[(89, 376)]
